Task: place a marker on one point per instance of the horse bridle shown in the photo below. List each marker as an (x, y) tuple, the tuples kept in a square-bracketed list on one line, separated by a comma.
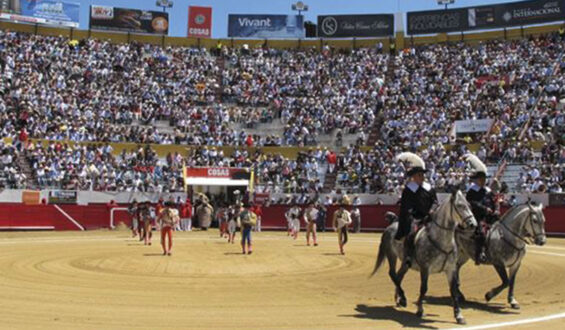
[(530, 220), (451, 208), (435, 244), (464, 220)]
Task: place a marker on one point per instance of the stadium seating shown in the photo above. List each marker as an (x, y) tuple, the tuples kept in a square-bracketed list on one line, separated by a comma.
[(101, 92)]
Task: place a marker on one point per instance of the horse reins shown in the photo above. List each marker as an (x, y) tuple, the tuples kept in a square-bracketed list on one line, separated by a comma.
[(520, 250), (436, 244)]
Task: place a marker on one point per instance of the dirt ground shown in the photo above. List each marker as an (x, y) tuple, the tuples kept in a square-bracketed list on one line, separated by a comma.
[(108, 280)]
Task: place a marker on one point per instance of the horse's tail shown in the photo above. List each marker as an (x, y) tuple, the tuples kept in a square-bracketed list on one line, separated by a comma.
[(381, 255)]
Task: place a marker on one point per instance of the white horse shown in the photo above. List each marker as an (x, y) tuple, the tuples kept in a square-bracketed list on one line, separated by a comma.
[(435, 252), (505, 245)]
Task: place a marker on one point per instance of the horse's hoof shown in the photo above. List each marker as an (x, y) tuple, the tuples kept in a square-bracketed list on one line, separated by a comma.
[(515, 306), (401, 302), (461, 320), (488, 296)]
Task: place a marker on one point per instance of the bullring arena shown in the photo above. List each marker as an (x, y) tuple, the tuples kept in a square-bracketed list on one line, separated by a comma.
[(135, 121), (106, 279)]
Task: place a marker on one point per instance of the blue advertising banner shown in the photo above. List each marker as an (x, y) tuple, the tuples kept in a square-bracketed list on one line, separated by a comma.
[(265, 26), (50, 12)]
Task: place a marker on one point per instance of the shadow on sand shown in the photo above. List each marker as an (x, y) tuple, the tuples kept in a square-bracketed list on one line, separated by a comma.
[(153, 254), (403, 317), (233, 254), (469, 304), (332, 254)]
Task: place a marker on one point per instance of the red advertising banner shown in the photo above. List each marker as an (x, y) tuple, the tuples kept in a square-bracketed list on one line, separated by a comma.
[(218, 172), (199, 22)]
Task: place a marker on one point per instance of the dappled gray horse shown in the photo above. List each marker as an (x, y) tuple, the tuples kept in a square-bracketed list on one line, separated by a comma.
[(436, 251), (506, 246)]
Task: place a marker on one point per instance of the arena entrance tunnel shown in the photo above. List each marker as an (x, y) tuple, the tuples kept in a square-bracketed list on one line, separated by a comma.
[(228, 179)]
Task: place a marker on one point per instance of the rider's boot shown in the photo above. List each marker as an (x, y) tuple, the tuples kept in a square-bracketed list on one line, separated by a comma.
[(480, 255), (409, 248)]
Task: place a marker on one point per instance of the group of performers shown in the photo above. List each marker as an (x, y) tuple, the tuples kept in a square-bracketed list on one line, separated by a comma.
[(314, 213), (164, 216), (419, 200), (243, 215), (417, 203)]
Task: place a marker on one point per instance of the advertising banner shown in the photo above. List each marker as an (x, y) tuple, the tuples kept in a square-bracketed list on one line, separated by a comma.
[(199, 22), (218, 172), (31, 197), (129, 20), (473, 126), (557, 199), (529, 12), (436, 21), (63, 197), (265, 26), (347, 26), (49, 12), (486, 17)]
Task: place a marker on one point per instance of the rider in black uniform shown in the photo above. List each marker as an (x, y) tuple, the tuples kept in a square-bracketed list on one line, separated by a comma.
[(484, 207), (418, 199)]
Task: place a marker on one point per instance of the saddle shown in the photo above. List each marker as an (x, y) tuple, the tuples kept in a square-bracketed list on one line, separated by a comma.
[(417, 225), (484, 228)]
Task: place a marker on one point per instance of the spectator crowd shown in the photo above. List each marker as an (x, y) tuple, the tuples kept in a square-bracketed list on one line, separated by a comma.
[(96, 91)]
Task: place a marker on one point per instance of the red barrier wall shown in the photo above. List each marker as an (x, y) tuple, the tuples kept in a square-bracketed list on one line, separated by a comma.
[(96, 216)]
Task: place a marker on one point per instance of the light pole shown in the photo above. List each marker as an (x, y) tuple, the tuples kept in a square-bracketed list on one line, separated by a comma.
[(445, 2), (165, 4), (300, 7)]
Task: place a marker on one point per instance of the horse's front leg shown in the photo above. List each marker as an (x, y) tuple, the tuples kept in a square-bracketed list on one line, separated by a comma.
[(511, 300), (423, 289), (501, 270), (458, 279), (401, 298), (392, 274), (453, 289)]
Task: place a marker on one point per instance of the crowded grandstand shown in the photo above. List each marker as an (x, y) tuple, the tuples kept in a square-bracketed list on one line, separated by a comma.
[(353, 109)]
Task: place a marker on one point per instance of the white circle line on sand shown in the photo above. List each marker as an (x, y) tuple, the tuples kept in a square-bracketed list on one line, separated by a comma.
[(517, 322), (548, 253)]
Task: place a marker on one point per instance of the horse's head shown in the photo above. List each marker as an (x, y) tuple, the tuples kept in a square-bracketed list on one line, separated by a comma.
[(461, 210), (534, 226)]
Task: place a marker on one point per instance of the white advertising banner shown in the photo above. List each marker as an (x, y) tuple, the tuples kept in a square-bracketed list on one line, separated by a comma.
[(473, 126)]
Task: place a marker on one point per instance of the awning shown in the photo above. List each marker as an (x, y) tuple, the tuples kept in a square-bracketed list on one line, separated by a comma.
[(196, 181)]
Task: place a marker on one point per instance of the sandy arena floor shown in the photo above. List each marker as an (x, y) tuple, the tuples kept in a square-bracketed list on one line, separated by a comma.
[(107, 280)]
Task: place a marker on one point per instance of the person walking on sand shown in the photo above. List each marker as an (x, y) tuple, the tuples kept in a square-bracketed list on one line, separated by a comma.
[(247, 220), (341, 220), (168, 219), (310, 217)]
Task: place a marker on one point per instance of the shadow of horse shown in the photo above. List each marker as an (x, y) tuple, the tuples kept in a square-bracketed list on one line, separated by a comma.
[(469, 304), (390, 313)]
